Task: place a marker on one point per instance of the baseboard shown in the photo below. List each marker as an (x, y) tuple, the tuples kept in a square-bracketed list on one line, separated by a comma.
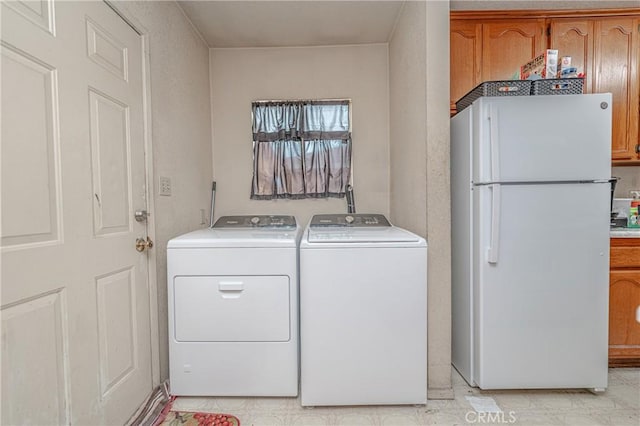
[(440, 393), (624, 362)]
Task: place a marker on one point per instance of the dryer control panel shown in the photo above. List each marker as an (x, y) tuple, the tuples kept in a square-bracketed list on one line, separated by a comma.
[(359, 220), (257, 221)]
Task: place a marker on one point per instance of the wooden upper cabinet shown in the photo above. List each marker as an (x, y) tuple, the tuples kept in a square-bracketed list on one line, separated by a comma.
[(508, 44), (575, 38), (607, 50), (484, 51), (615, 70), (465, 59), (604, 44)]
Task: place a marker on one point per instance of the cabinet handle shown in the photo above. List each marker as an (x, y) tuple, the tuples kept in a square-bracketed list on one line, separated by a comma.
[(638, 314)]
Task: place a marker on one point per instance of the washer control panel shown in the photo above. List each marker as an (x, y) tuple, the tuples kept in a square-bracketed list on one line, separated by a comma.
[(256, 221), (349, 220)]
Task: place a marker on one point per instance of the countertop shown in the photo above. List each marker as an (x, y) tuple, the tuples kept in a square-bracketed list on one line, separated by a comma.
[(624, 232)]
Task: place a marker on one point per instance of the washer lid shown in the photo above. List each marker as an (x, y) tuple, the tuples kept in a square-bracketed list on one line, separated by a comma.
[(245, 237), (347, 235)]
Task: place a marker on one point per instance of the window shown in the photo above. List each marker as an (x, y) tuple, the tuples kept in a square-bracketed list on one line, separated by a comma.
[(301, 149)]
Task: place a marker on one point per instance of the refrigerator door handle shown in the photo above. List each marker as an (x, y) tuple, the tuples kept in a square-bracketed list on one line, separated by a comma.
[(494, 242), (494, 144)]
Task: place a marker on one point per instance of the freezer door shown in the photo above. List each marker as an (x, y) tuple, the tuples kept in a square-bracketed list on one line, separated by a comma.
[(541, 260), (542, 138)]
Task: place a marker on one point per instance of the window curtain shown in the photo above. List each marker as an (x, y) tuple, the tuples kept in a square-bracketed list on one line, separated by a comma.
[(301, 149)]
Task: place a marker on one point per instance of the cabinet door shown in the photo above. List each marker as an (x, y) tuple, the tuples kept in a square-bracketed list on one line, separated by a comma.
[(615, 70), (575, 38), (508, 44), (606, 49), (466, 56), (624, 315)]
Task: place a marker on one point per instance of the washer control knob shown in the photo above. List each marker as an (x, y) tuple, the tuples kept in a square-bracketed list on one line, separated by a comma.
[(255, 220), (349, 219)]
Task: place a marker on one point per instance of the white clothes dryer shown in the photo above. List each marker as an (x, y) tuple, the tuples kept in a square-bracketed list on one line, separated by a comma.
[(363, 312), (233, 308)]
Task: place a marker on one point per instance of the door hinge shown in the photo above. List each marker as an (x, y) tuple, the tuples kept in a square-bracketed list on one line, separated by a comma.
[(638, 148)]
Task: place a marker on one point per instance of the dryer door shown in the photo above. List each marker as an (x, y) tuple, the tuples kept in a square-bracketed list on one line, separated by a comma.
[(232, 308)]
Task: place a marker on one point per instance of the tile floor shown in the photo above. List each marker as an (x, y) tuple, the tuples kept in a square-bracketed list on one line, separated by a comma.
[(618, 406)]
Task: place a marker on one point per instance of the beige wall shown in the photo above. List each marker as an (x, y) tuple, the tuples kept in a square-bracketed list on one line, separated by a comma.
[(629, 180), (407, 119), (181, 132), (438, 198), (240, 76), (419, 162)]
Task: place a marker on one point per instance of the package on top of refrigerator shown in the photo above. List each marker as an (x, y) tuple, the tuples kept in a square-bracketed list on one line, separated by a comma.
[(633, 220), (544, 65)]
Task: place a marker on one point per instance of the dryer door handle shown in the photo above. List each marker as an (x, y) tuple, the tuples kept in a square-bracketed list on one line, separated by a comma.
[(230, 286)]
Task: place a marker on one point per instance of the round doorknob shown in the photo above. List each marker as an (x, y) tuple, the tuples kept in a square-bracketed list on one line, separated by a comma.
[(143, 244)]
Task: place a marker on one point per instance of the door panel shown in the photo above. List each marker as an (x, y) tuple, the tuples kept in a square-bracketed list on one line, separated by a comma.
[(110, 148), (30, 151), (541, 307), (118, 344), (617, 46), (575, 38), (508, 45), (624, 327), (106, 50), (466, 57), (34, 329), (73, 172), (40, 13)]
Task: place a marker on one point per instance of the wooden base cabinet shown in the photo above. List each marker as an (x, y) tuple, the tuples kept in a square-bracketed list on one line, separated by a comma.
[(624, 303)]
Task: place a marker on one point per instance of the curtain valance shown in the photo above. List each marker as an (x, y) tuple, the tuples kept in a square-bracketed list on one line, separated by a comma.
[(301, 149), (300, 119)]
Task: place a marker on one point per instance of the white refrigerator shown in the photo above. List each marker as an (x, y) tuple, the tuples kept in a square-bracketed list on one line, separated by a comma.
[(530, 241)]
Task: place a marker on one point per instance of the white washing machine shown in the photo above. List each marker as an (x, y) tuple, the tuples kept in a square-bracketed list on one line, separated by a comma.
[(233, 308), (363, 312)]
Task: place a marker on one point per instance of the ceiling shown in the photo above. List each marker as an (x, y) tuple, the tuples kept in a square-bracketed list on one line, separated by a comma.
[(268, 23)]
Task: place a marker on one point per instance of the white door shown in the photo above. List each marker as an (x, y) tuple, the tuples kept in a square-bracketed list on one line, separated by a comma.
[(75, 293), (541, 286)]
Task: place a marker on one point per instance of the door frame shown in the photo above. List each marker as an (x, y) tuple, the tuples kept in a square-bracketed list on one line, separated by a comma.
[(143, 32)]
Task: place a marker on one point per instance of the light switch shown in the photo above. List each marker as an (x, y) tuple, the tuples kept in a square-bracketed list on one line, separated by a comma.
[(165, 186)]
